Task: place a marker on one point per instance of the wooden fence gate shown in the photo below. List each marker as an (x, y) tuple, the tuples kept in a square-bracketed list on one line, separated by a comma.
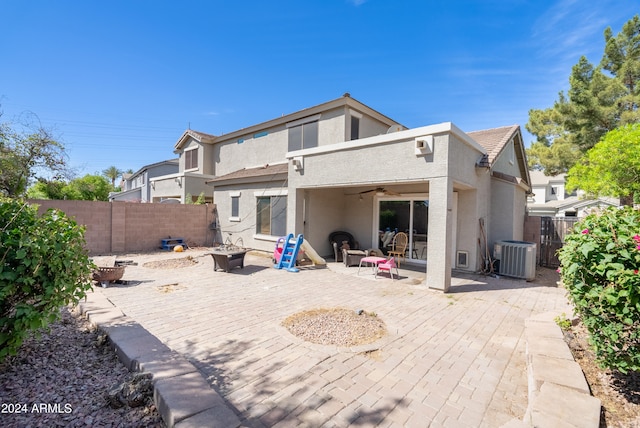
[(553, 231)]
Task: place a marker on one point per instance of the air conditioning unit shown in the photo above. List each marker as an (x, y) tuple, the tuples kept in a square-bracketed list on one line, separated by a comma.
[(517, 259)]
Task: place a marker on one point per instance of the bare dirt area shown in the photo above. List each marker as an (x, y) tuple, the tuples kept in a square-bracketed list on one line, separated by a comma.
[(70, 377), (618, 392), (336, 326), (177, 263)]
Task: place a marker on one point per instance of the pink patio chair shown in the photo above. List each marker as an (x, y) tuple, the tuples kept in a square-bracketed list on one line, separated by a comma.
[(388, 266)]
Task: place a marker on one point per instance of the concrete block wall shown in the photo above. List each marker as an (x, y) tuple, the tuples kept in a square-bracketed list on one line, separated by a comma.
[(120, 227)]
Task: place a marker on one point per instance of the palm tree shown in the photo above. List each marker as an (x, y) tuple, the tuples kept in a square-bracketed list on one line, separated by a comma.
[(112, 173)]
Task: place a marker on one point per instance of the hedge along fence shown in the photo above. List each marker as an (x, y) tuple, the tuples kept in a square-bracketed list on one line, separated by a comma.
[(600, 264), (120, 227)]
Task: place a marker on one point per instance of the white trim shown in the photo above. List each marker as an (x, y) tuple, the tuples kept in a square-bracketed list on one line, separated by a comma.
[(271, 192), (235, 219), (304, 120), (262, 237), (235, 193), (409, 197)]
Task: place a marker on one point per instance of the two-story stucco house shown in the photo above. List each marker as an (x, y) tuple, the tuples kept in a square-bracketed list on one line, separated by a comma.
[(341, 165), (550, 198), (138, 187)]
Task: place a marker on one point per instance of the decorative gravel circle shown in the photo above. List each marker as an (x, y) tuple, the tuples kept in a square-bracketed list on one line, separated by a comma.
[(337, 326)]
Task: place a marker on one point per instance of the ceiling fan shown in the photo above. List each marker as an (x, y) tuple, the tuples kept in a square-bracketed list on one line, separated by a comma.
[(377, 190)]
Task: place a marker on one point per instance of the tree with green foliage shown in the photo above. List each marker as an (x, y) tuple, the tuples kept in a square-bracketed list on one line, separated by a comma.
[(47, 189), (601, 98), (87, 188), (611, 167), (112, 173), (27, 154), (44, 265)]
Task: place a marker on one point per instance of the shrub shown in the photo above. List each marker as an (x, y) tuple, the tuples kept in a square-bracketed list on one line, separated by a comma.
[(43, 266), (599, 267)]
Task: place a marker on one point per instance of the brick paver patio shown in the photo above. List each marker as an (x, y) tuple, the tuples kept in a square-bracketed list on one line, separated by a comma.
[(449, 360)]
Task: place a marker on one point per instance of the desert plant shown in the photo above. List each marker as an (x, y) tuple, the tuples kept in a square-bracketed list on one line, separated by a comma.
[(43, 266), (599, 268)]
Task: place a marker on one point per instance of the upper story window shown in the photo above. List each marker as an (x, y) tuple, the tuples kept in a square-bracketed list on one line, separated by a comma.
[(303, 133), (355, 124), (191, 159), (355, 128)]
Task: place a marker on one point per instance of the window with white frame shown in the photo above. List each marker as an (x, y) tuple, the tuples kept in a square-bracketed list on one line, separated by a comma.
[(235, 206), (271, 215), (191, 159)]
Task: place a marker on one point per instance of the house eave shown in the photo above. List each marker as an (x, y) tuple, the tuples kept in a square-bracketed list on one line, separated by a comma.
[(441, 128)]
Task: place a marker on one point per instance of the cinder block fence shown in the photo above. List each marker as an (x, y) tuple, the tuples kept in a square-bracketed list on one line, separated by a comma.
[(123, 227)]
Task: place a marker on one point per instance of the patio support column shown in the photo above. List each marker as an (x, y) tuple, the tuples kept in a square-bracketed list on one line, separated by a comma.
[(440, 233), (295, 209)]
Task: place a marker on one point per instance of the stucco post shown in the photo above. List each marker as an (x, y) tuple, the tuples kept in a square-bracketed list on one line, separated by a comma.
[(440, 233)]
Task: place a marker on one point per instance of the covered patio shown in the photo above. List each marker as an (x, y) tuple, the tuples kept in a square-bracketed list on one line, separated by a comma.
[(424, 181)]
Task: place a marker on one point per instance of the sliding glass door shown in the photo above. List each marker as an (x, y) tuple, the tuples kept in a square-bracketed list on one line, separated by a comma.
[(404, 214)]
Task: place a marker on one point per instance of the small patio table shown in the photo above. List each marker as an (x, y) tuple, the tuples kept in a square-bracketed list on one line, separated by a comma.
[(372, 260), (228, 259)]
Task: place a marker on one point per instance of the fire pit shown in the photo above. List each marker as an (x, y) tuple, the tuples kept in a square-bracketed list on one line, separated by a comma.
[(105, 274)]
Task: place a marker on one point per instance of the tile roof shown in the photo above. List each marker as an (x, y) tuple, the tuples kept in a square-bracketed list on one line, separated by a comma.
[(494, 140), (261, 171)]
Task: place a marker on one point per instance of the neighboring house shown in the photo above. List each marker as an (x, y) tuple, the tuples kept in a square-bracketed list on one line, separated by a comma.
[(549, 198), (343, 166), (137, 187)]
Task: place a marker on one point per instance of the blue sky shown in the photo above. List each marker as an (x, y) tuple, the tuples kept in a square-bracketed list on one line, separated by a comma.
[(120, 81)]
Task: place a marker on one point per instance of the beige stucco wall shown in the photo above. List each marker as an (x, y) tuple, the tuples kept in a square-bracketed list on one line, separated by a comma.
[(229, 155), (166, 188), (245, 226), (508, 204)]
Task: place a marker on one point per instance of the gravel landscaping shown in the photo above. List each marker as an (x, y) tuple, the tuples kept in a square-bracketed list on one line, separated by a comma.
[(63, 379)]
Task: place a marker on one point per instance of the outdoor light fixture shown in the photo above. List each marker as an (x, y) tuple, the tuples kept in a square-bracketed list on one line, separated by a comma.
[(179, 181)]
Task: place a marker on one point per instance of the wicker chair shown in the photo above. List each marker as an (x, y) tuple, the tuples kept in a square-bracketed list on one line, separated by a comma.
[(346, 248), (399, 246)]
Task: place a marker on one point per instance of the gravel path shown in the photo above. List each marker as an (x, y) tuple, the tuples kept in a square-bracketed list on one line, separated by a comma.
[(62, 379)]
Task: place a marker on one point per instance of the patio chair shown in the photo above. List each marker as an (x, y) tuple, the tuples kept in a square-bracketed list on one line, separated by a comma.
[(346, 248), (399, 246), (388, 266)]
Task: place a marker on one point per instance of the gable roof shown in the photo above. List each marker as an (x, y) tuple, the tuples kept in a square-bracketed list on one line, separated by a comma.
[(200, 137), (494, 140)]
